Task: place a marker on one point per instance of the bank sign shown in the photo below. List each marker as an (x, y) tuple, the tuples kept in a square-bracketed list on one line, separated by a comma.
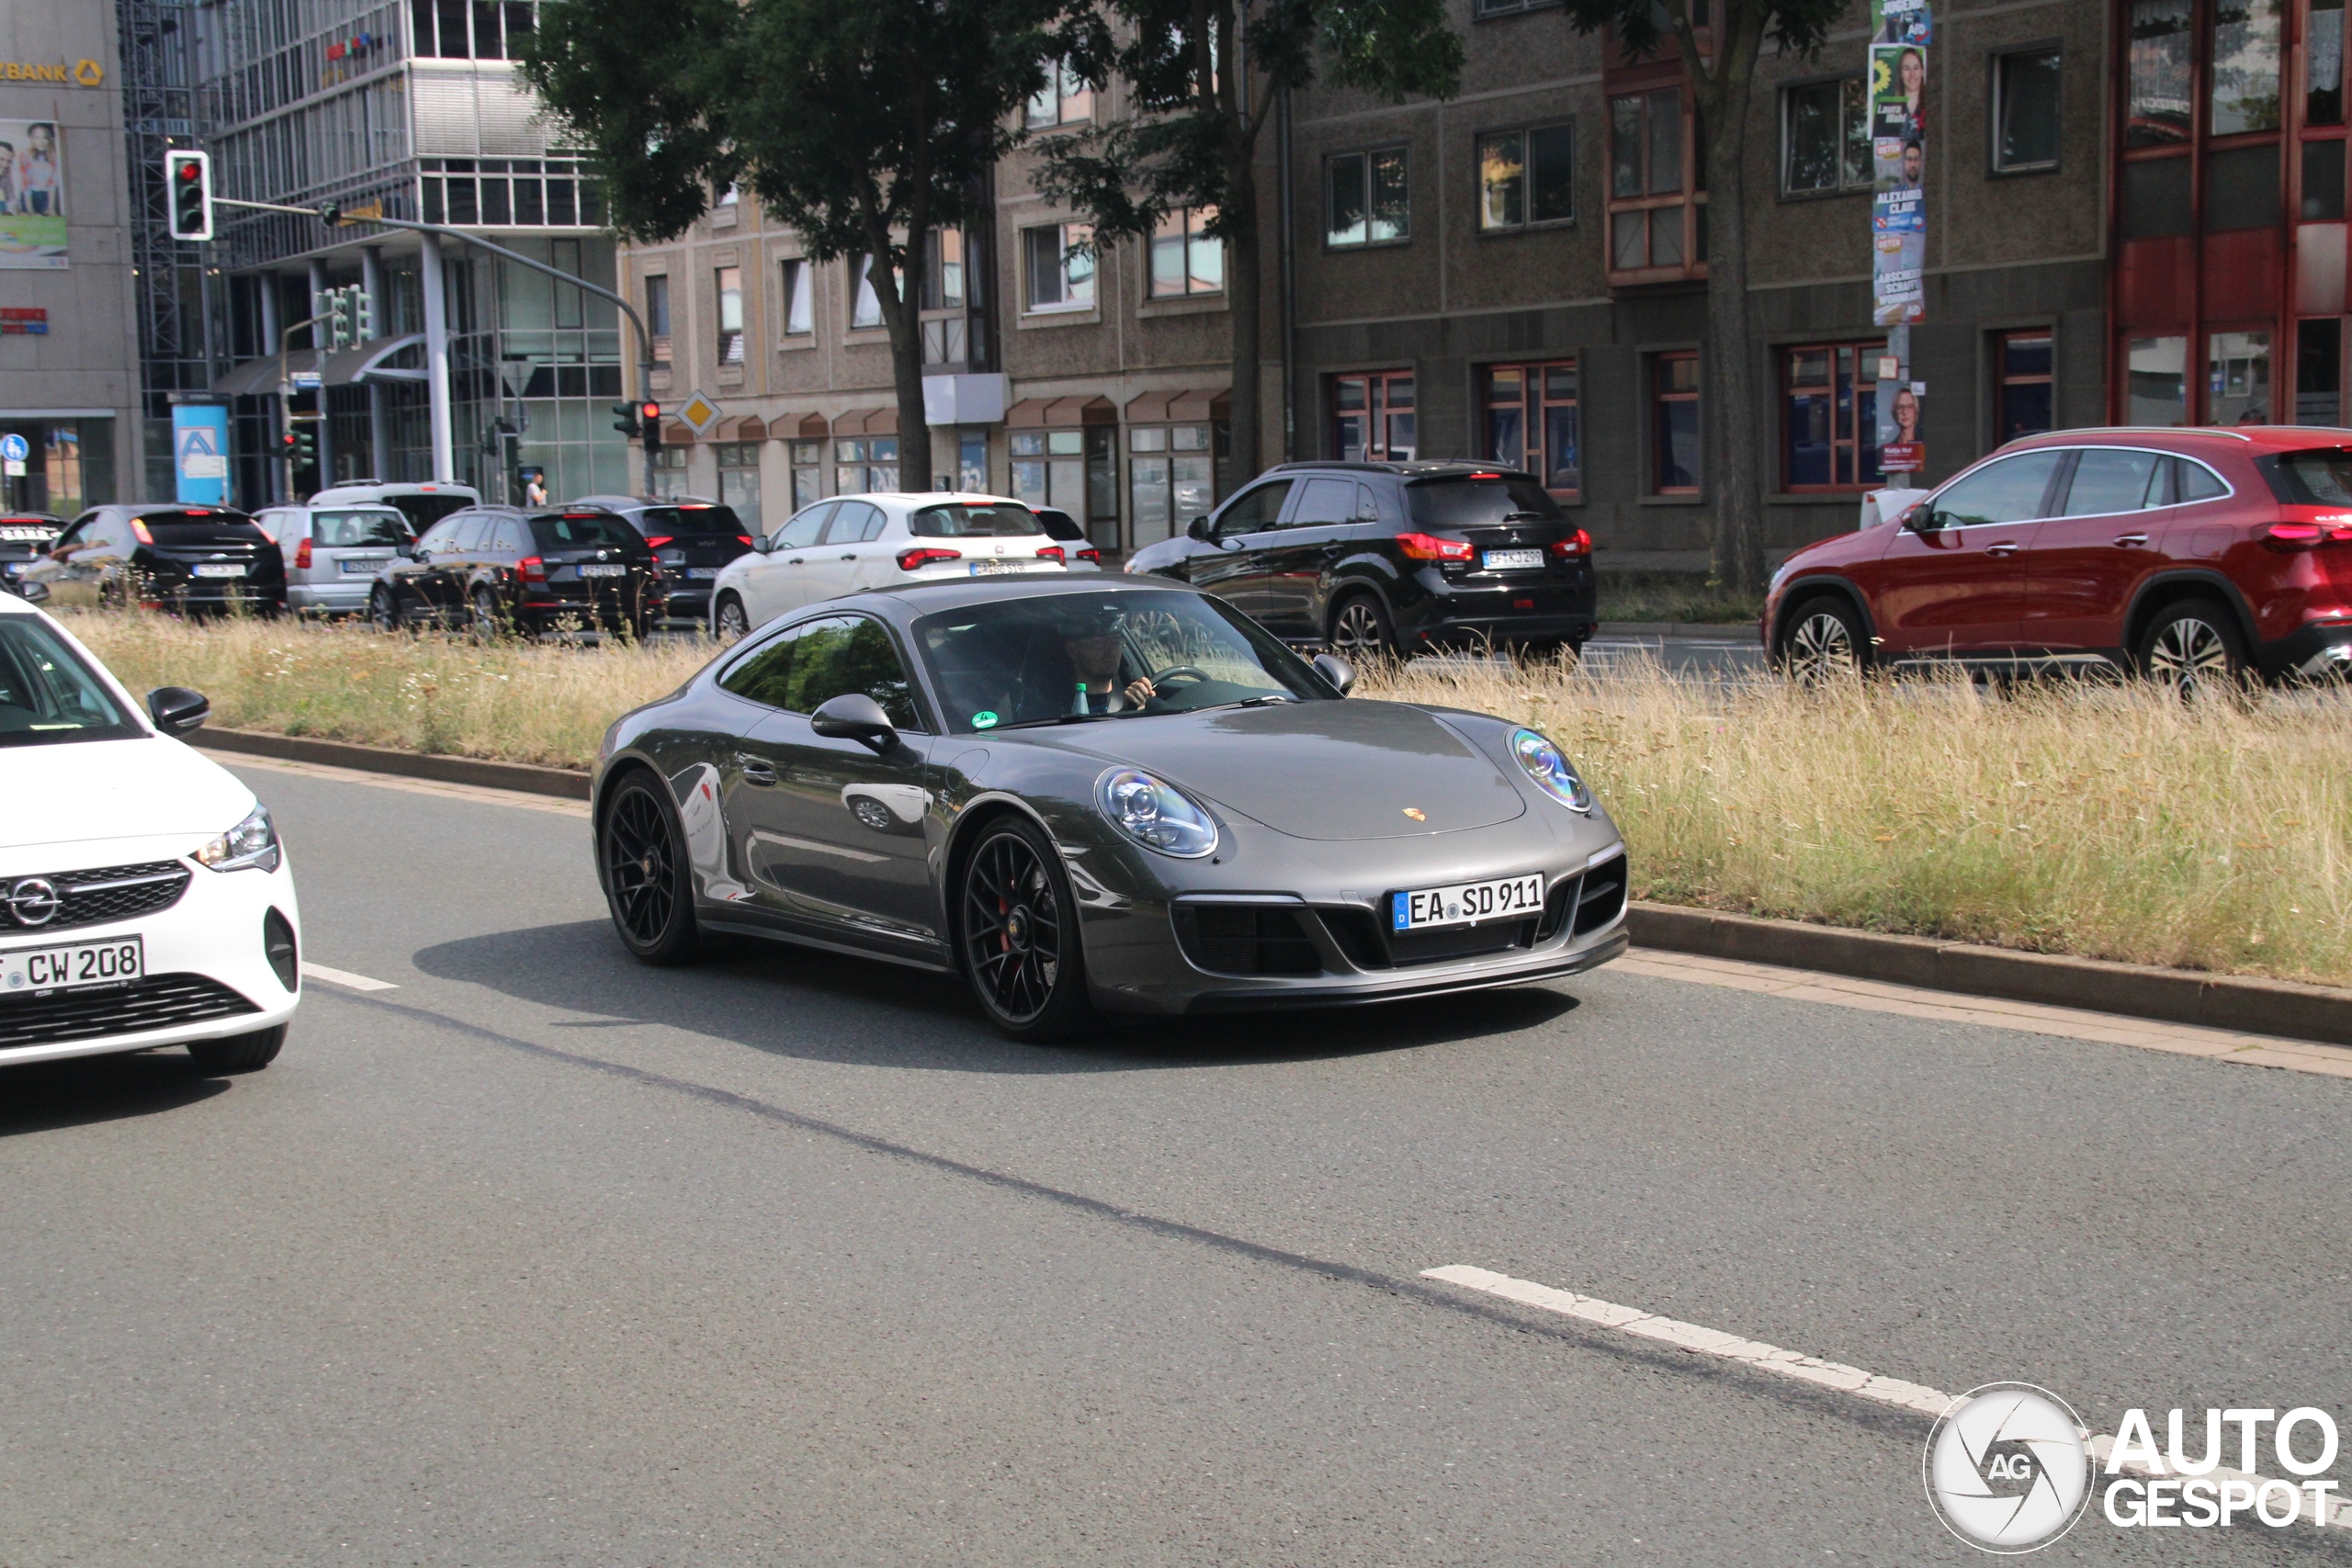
[(200, 454)]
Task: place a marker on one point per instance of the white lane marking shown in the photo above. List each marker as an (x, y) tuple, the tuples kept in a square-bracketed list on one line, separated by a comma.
[(346, 977), (1793, 1364)]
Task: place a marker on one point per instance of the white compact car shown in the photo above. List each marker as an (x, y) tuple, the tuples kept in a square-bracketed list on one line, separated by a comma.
[(145, 897), (848, 544)]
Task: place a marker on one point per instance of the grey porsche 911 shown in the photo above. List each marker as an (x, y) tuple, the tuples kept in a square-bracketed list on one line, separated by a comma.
[(1085, 793)]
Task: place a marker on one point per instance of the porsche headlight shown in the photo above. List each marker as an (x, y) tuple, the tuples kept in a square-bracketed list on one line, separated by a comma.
[(1153, 815), (251, 845), (1550, 768)]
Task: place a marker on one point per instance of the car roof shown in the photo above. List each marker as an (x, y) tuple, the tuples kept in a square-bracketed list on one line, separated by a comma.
[(1417, 468), (913, 498), (2209, 438), (905, 601)]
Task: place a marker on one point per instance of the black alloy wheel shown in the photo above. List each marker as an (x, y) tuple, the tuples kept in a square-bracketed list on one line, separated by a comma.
[(489, 621), (383, 613), (647, 884), (728, 623), (1361, 630), (1019, 936), (1823, 641), (2194, 648)]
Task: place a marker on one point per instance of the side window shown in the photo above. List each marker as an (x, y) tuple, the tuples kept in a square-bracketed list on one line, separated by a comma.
[(2109, 481), (2198, 482), (469, 533), (1367, 504), (849, 653), (508, 540), (1253, 512), (442, 535), (803, 530), (2008, 491), (73, 535), (765, 674), (1325, 501), (855, 522)]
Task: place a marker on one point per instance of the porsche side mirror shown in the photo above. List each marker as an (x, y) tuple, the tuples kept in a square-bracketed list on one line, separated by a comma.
[(1198, 528), (1336, 670), (853, 716), (176, 710)]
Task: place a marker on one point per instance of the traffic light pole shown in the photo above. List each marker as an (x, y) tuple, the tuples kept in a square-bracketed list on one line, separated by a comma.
[(333, 218), (285, 398)]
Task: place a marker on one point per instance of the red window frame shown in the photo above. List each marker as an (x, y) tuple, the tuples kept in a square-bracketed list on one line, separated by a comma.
[(1829, 392), (1374, 416), (1674, 384), (1548, 440)]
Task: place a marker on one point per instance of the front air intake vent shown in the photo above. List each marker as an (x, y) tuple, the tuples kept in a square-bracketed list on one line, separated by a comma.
[(1602, 899), (1246, 939)]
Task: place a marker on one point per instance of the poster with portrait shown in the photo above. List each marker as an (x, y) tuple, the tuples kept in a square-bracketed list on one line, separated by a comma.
[(32, 195), (1900, 33)]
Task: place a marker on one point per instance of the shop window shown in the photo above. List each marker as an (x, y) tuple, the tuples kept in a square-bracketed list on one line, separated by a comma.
[(1184, 259), (738, 479), (1829, 416), (1825, 137), (1527, 176), (1065, 99), (808, 473), (1373, 417), (657, 319), (1057, 265), (1367, 199), (2024, 380), (1674, 423), (2157, 381), (2237, 378), (730, 280), (2025, 111), (799, 306), (863, 465), (1049, 468), (1653, 227), (1170, 479), (1530, 421), (972, 462), (2319, 371)]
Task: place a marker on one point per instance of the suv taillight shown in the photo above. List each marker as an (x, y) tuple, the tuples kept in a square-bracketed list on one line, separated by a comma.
[(303, 556), (915, 559), (532, 569), (1429, 546), (1576, 544), (2308, 536)]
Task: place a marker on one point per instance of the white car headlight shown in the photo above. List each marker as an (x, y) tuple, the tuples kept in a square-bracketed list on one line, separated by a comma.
[(1153, 815), (1549, 767), (251, 845)]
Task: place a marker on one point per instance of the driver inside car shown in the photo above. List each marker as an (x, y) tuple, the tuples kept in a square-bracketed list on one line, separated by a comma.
[(1094, 661)]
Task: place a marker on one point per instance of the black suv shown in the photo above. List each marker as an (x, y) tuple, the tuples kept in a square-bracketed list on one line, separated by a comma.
[(1393, 557), (25, 537), (692, 538), (164, 555), (497, 568)]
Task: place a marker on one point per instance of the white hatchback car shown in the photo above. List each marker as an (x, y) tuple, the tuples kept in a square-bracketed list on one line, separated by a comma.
[(145, 897), (848, 544)]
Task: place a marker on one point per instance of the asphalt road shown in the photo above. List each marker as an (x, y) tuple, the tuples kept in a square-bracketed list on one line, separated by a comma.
[(543, 1258)]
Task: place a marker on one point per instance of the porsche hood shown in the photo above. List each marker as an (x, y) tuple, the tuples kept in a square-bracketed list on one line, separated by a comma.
[(1332, 771)]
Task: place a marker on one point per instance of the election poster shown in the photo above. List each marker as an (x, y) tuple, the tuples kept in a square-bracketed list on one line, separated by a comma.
[(32, 195), (1901, 33)]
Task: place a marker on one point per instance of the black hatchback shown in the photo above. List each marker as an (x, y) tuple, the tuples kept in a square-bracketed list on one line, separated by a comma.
[(164, 555), (500, 569), (1393, 559), (692, 538)]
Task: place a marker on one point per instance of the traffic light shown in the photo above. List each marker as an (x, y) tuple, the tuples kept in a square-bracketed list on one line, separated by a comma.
[(362, 315), (187, 181), (306, 446), (650, 415), (627, 420), (339, 318)]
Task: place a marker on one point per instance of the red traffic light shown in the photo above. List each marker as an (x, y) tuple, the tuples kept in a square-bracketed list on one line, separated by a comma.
[(190, 172), (648, 412)]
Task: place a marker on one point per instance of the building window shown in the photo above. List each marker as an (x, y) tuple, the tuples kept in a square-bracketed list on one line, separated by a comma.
[(1674, 423), (1653, 227), (657, 319), (1372, 417), (2025, 111), (972, 462), (807, 472), (730, 315), (1170, 479), (1365, 199), (866, 464), (2237, 378), (1829, 415), (1065, 99), (866, 308), (1825, 137), (800, 307), (1509, 7), (2323, 63), (1530, 413), (1049, 468), (669, 473), (738, 479), (2319, 371), (1527, 176), (1184, 259), (2157, 381), (946, 331), (564, 255), (483, 29), (727, 209), (2024, 375), (1058, 264)]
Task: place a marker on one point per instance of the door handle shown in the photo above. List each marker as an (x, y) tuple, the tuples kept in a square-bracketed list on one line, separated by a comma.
[(756, 771), (2004, 548), (2130, 538), (852, 555), (794, 560)]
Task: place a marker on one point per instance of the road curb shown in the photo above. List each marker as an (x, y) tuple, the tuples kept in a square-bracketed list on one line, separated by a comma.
[(2238, 1004), (1705, 631), (529, 778)]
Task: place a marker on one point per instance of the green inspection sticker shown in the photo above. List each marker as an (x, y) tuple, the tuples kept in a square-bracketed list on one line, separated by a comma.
[(984, 721)]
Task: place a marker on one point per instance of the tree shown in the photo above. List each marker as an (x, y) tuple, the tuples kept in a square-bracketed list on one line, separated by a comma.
[(1721, 82), (1201, 83), (863, 126)]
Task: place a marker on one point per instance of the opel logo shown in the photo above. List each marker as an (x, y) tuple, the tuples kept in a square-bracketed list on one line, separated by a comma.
[(34, 901)]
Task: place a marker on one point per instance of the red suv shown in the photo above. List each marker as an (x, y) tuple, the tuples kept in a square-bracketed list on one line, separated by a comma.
[(2187, 555)]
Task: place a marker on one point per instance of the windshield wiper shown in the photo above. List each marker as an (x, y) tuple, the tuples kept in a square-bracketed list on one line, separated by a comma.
[(1057, 718)]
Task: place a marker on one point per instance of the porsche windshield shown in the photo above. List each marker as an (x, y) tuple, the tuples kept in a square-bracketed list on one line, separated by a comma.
[(1067, 657)]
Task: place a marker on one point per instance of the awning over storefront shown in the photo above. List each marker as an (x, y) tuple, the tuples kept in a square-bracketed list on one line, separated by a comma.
[(675, 433), (866, 422), (259, 376), (812, 427), (1183, 406), (345, 367), (1034, 413), (743, 427)]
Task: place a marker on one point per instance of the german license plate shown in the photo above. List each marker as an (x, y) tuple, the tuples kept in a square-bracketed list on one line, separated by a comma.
[(1466, 903), (702, 574), (358, 567), (990, 568), (70, 966), (603, 572), (219, 568), (1514, 560)]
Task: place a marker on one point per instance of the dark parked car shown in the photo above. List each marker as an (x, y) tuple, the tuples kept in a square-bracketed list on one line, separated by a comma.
[(692, 538), (498, 569), (164, 555), (1393, 557), (2188, 555), (25, 537)]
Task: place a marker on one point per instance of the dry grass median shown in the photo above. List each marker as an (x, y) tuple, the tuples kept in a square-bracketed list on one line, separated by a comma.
[(2108, 822)]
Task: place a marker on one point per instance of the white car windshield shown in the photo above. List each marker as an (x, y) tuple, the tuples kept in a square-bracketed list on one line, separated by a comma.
[(47, 693)]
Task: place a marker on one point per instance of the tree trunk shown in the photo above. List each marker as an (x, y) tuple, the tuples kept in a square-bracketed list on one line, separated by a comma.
[(1737, 559), (902, 313), (1242, 284)]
